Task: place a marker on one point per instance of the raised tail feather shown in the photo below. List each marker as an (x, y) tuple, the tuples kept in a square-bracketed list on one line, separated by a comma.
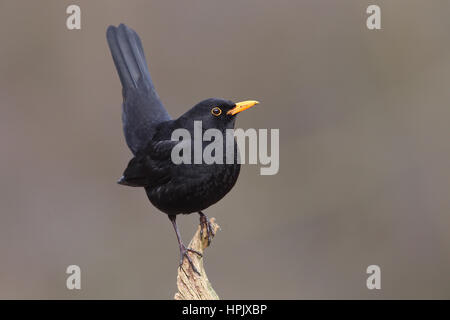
[(142, 108), (128, 55)]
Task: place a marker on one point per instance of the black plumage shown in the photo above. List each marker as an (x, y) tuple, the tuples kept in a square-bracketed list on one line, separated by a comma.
[(172, 188)]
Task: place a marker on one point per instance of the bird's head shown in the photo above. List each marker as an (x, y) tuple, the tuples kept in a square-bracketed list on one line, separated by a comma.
[(217, 113)]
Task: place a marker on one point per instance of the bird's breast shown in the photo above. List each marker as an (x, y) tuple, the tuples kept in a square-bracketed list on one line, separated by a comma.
[(193, 188)]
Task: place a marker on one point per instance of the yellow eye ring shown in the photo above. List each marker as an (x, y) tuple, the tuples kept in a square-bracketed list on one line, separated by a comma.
[(216, 111)]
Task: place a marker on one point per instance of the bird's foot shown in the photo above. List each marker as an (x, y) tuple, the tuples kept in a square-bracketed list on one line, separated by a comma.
[(184, 253), (206, 224)]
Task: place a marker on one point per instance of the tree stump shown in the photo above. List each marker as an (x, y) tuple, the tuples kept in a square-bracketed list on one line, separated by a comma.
[(192, 286)]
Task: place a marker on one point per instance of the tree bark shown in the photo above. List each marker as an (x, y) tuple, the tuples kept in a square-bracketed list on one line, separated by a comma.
[(192, 286)]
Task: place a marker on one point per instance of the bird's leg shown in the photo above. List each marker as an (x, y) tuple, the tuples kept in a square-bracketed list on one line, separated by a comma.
[(183, 250), (204, 222)]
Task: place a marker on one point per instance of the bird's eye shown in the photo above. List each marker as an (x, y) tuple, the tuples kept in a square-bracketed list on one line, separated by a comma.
[(216, 111)]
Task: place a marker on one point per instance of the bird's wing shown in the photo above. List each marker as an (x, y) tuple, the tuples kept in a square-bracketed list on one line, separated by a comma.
[(150, 167), (142, 108)]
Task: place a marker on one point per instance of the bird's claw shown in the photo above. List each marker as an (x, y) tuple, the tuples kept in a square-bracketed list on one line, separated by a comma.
[(206, 224), (184, 253)]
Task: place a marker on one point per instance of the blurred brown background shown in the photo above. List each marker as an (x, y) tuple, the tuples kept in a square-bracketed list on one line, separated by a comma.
[(364, 153)]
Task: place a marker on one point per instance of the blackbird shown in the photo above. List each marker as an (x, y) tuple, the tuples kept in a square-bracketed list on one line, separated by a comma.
[(172, 188)]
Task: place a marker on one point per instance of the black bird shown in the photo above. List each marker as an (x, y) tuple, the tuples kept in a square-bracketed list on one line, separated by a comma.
[(172, 188)]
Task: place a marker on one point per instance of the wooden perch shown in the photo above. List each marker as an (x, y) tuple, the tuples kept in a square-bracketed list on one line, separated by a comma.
[(192, 286)]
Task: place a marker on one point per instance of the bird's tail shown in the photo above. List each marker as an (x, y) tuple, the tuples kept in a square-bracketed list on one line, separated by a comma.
[(128, 55), (142, 108)]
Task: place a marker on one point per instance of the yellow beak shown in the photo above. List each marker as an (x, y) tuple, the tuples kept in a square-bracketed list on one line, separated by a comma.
[(241, 106)]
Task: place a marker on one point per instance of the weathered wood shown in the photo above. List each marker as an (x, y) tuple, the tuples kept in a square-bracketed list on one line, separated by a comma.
[(192, 286)]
